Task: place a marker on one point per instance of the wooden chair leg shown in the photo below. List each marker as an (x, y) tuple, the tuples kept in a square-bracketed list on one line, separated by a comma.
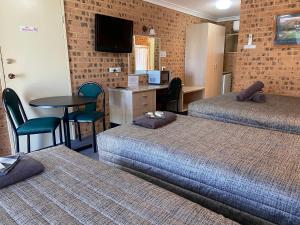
[(104, 126), (94, 138), (17, 144), (28, 144), (60, 133), (54, 138), (79, 132)]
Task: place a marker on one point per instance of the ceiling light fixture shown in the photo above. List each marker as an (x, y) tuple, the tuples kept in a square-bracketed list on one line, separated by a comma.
[(223, 4)]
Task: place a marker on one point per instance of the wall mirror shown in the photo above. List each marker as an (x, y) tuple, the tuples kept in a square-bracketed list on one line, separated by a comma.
[(145, 55)]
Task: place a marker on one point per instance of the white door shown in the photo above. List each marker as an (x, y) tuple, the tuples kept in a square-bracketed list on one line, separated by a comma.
[(34, 48)]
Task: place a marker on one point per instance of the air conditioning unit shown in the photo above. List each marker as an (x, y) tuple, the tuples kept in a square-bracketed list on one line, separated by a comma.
[(236, 26)]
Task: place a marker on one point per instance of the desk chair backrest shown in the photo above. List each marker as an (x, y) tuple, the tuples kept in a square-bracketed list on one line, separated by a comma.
[(174, 89), (14, 108), (92, 90)]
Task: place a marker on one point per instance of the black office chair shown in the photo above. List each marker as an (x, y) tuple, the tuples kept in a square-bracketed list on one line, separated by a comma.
[(172, 94)]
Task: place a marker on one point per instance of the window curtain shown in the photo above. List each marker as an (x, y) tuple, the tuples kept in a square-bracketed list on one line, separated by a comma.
[(142, 57)]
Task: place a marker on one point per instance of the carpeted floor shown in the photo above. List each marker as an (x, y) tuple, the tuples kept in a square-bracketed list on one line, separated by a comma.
[(88, 152)]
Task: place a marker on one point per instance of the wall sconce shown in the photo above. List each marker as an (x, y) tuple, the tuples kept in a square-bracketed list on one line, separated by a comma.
[(150, 30)]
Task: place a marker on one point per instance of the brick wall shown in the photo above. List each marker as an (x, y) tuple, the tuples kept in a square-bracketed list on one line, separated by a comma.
[(277, 66), (142, 40), (88, 65)]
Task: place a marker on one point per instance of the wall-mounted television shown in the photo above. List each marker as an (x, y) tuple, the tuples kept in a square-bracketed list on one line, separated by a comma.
[(113, 34)]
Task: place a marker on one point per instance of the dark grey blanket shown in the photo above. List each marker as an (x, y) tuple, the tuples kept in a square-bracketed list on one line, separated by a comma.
[(77, 190), (154, 123), (26, 167), (254, 170), (281, 113)]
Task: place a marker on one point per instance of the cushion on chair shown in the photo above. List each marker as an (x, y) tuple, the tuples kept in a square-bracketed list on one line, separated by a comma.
[(85, 116), (39, 125), (72, 115)]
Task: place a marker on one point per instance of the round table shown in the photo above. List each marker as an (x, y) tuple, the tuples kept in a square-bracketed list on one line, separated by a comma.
[(63, 102)]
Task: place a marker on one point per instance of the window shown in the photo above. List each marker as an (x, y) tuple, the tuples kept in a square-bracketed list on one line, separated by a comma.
[(142, 59)]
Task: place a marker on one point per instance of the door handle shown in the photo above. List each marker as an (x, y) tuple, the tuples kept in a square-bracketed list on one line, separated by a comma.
[(11, 76), (10, 61)]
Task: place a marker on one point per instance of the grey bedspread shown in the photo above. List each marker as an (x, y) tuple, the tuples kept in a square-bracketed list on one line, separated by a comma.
[(254, 170), (280, 113), (77, 190)]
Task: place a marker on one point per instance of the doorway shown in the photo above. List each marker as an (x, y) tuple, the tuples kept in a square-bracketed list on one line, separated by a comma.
[(34, 56)]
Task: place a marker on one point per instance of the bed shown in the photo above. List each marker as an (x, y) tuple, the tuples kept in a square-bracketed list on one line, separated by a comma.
[(238, 168), (76, 190), (279, 113)]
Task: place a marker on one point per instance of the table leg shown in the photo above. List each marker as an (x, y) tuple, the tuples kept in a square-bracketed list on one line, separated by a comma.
[(67, 133), (67, 128)]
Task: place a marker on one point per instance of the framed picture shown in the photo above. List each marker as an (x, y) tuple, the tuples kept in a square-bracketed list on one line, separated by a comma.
[(288, 29)]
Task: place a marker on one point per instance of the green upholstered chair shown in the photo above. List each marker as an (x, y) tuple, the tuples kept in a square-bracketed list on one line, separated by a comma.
[(90, 114), (23, 126)]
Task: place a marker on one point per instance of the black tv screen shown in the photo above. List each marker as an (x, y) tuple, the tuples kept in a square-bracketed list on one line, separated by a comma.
[(113, 34)]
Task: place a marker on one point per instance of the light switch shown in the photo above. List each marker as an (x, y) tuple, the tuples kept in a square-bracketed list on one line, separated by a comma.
[(163, 54)]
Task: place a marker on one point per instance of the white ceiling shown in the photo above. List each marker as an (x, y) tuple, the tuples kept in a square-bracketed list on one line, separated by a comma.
[(202, 8)]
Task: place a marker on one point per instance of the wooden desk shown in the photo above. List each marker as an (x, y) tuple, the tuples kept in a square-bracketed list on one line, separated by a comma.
[(190, 94), (127, 103)]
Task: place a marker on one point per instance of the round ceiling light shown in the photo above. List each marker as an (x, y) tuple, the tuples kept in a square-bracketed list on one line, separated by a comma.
[(223, 4)]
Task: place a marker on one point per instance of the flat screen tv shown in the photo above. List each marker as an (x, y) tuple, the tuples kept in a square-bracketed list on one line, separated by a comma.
[(113, 34)]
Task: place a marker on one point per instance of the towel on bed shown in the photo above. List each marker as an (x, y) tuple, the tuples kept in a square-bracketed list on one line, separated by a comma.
[(250, 91), (7, 163), (258, 97), (154, 123), (27, 167)]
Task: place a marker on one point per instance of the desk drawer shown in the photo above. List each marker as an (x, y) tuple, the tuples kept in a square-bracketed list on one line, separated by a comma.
[(143, 102)]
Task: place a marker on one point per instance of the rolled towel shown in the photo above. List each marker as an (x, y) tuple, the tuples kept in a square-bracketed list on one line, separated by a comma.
[(154, 123), (250, 91), (259, 97), (24, 169)]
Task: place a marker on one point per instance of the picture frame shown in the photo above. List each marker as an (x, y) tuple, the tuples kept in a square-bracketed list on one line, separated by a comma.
[(287, 29)]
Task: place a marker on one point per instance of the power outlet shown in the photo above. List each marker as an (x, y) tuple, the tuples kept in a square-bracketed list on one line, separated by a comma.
[(115, 70), (249, 46)]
